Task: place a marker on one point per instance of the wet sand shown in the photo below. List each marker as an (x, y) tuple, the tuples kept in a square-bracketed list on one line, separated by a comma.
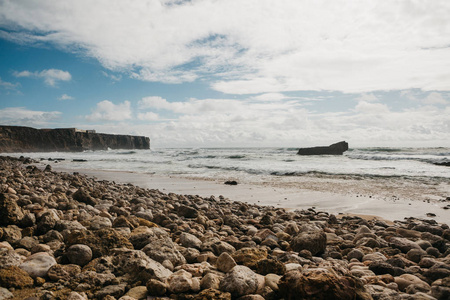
[(337, 197)]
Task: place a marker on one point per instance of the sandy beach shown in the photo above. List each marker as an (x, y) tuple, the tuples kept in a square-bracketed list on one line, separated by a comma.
[(386, 199)]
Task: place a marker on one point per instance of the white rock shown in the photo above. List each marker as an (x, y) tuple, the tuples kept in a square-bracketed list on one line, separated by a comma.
[(38, 264)]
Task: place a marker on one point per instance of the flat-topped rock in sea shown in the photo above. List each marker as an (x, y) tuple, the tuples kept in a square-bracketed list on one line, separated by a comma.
[(334, 149)]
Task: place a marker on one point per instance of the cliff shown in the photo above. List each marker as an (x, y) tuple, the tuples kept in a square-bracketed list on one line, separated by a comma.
[(334, 149), (27, 139)]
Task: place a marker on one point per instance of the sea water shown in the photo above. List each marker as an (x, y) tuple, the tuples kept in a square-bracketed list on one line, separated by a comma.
[(255, 164)]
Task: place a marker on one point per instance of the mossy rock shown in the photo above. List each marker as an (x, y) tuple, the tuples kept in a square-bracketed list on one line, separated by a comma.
[(15, 277)]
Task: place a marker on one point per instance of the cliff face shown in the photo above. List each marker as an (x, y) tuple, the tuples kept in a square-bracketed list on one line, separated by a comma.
[(27, 139)]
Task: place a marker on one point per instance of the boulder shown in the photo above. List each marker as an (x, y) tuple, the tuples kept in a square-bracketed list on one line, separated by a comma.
[(38, 264), (241, 281), (334, 149), (313, 241), (10, 212)]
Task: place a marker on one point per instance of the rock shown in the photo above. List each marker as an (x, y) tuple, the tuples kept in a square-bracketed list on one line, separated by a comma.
[(225, 262), (212, 294), (38, 264), (382, 293), (210, 281), (14, 277), (242, 281), (266, 266), (139, 265), (81, 195), (190, 241), (5, 294), (137, 292), (182, 281), (187, 211), (111, 290), (320, 284), (403, 244), (12, 234), (76, 296), (375, 256), (161, 248), (156, 287), (415, 255), (314, 241), (355, 253), (10, 212), (63, 272), (79, 254), (99, 222), (100, 241), (249, 256), (9, 258), (271, 280), (382, 267), (334, 149)]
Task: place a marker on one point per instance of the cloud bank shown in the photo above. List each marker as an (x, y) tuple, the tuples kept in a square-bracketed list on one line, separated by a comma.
[(249, 46), (50, 76)]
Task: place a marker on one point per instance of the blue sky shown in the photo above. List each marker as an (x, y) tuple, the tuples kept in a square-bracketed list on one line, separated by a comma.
[(230, 73)]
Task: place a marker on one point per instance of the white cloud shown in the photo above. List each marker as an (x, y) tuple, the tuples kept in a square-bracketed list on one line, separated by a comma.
[(108, 111), (371, 108), (435, 98), (251, 46), (8, 85), (50, 76), (65, 97), (270, 97), (367, 97), (25, 117), (112, 76), (148, 116)]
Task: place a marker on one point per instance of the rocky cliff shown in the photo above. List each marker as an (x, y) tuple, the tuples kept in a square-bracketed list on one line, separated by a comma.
[(27, 139)]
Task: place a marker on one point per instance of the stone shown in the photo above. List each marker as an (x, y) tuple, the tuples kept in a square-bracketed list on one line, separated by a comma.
[(355, 253), (181, 282), (161, 248), (14, 277), (379, 292), (10, 212), (190, 241), (5, 294), (137, 292), (212, 294), (375, 256), (111, 290), (156, 287), (139, 265), (12, 234), (403, 244), (77, 296), (79, 254), (187, 211), (8, 257), (81, 195), (99, 222), (320, 284), (38, 264), (266, 266), (271, 280), (210, 281), (415, 255), (225, 262), (249, 256), (382, 267), (241, 281), (63, 272), (314, 241)]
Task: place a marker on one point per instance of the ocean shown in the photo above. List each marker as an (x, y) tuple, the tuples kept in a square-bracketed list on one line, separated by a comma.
[(253, 165)]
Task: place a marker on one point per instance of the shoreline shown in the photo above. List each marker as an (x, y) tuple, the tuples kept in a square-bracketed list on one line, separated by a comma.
[(288, 197)]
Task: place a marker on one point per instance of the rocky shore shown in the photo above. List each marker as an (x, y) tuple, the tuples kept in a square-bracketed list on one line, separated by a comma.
[(67, 236)]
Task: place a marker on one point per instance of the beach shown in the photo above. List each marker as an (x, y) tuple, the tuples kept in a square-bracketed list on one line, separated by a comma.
[(386, 198), (69, 235)]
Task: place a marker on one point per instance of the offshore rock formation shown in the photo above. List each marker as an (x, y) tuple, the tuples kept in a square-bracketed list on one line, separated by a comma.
[(27, 139), (334, 149)]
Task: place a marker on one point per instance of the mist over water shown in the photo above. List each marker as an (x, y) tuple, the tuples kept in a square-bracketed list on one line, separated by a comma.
[(252, 164)]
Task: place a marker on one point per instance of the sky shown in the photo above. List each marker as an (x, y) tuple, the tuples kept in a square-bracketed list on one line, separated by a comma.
[(231, 73)]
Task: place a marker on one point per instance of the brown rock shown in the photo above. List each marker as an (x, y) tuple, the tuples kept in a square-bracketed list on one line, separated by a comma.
[(14, 277), (212, 294), (10, 212), (64, 272), (249, 256), (320, 284), (314, 241)]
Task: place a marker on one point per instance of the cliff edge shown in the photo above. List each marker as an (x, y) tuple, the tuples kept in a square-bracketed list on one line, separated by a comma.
[(27, 139)]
